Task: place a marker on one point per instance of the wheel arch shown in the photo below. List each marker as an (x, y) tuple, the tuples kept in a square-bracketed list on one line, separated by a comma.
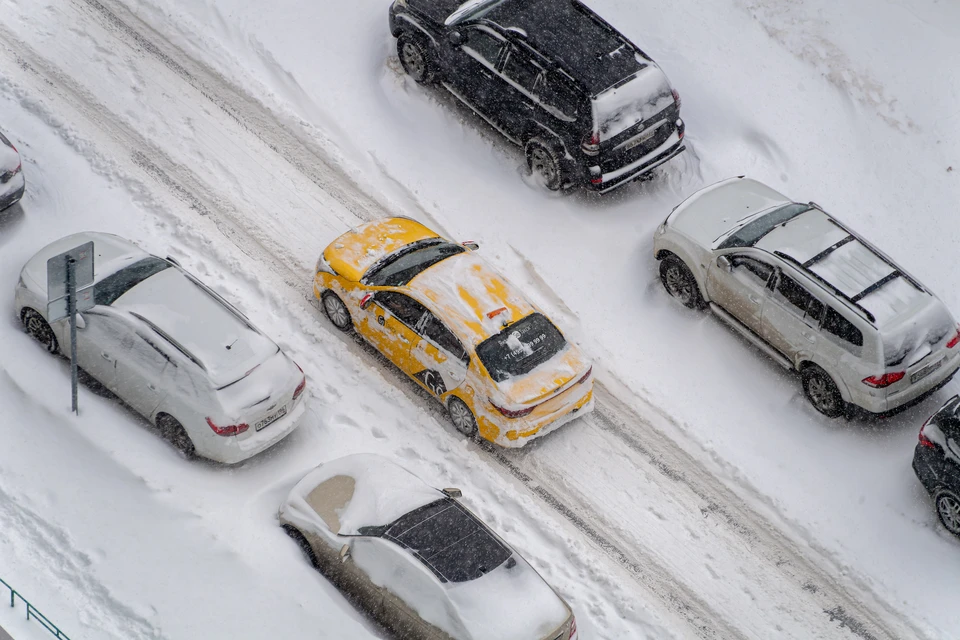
[(805, 361)]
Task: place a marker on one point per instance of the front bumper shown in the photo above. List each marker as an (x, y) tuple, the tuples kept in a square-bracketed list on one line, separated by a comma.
[(12, 191), (671, 148)]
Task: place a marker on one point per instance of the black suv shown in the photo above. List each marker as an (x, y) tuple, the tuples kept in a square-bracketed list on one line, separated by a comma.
[(936, 461), (588, 106)]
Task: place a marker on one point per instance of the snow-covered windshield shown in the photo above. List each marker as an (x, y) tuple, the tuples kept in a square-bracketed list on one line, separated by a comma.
[(751, 233), (449, 541), (402, 267), (521, 347), (115, 285)]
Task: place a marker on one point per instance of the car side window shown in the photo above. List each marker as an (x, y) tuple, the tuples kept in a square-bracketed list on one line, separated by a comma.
[(521, 71), (485, 44), (435, 330), (761, 270), (815, 310), (557, 94), (405, 308), (838, 326), (794, 293)]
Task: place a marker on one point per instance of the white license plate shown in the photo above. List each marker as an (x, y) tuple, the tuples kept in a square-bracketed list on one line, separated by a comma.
[(640, 139), (927, 370), (270, 419)]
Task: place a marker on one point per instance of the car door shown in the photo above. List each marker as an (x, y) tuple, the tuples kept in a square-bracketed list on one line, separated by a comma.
[(738, 283), (397, 314), (517, 101), (791, 317), (442, 355), (407, 588), (474, 64), (361, 573), (100, 343), (143, 378)]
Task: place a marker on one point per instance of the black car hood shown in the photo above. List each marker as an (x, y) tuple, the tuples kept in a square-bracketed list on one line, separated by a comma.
[(436, 10)]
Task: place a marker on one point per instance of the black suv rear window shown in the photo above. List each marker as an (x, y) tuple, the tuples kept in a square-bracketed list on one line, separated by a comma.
[(751, 233), (449, 541), (115, 285), (406, 264), (520, 347)]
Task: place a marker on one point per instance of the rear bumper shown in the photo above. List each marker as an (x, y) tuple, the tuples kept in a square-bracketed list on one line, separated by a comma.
[(671, 148), (12, 191), (912, 395), (234, 450), (521, 431)]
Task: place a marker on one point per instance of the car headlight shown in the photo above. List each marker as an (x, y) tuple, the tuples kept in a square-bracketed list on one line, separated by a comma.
[(323, 266), (662, 229)]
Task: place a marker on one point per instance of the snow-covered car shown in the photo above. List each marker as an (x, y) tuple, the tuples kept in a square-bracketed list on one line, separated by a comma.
[(416, 559), (936, 461), (172, 349), (812, 294), (12, 183), (587, 105), (448, 320)]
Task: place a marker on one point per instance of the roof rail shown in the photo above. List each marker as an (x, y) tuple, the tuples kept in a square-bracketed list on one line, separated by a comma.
[(840, 294)]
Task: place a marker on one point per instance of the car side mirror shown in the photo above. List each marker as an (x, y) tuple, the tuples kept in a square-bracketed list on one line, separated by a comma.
[(470, 244), (365, 301), (344, 553), (455, 38), (81, 323), (724, 263), (452, 492)]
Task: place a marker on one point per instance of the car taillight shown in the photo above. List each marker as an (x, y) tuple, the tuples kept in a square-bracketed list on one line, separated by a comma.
[(229, 430), (512, 414), (591, 144), (924, 440), (955, 340), (573, 628), (300, 388), (585, 376), (887, 379), (676, 97)]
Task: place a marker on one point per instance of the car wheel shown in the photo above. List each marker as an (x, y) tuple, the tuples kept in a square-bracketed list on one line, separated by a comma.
[(544, 163), (173, 432), (948, 510), (38, 328), (680, 283), (337, 311), (462, 418), (301, 541), (416, 59), (822, 391)]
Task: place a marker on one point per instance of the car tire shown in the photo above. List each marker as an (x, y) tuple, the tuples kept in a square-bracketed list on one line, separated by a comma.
[(336, 311), (948, 510), (822, 391), (417, 59), (544, 162), (175, 434), (301, 541), (39, 330), (462, 417), (679, 282)]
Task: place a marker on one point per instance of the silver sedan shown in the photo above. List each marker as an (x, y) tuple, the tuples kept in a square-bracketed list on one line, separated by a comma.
[(171, 349)]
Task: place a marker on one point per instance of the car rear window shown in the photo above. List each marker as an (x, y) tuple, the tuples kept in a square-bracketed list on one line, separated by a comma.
[(520, 347), (400, 268), (449, 541), (751, 233), (115, 285)]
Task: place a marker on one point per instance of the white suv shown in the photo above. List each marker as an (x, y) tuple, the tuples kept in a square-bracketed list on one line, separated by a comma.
[(810, 293)]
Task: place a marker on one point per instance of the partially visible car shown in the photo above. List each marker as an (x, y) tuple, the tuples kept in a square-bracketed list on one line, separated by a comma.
[(936, 461), (810, 293), (416, 559), (12, 183), (588, 106), (172, 349), (448, 320)]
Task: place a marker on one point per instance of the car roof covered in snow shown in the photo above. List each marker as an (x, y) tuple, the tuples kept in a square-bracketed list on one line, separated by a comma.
[(354, 252), (111, 253), (472, 298), (376, 492)]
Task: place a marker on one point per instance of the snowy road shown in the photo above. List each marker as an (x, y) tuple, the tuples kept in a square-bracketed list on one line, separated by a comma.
[(702, 561)]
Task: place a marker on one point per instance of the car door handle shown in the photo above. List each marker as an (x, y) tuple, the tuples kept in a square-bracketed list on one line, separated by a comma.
[(105, 356), (755, 299), (809, 336)]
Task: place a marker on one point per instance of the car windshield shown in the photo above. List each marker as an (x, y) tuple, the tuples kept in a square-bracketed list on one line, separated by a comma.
[(115, 285), (449, 541), (403, 266), (750, 233), (520, 347)]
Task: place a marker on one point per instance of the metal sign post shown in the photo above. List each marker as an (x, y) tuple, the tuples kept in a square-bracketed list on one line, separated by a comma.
[(69, 292)]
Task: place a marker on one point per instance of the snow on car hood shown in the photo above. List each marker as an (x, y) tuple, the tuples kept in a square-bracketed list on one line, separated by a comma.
[(643, 97), (357, 250), (716, 210), (110, 254), (525, 606), (382, 492)]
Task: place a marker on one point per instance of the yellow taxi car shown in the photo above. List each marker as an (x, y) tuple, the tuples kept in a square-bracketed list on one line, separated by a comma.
[(448, 320)]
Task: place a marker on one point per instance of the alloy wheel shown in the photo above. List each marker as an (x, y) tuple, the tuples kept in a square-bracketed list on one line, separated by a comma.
[(821, 394), (336, 311), (39, 330), (541, 162), (679, 284), (413, 60), (462, 418), (948, 508)]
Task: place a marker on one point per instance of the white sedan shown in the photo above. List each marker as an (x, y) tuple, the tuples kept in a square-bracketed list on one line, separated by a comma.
[(416, 559), (12, 183), (171, 349)]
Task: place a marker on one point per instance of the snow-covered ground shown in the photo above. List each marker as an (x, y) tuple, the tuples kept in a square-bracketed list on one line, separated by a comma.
[(853, 106)]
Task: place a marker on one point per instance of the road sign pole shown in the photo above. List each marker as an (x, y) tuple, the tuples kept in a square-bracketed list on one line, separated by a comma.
[(72, 314)]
